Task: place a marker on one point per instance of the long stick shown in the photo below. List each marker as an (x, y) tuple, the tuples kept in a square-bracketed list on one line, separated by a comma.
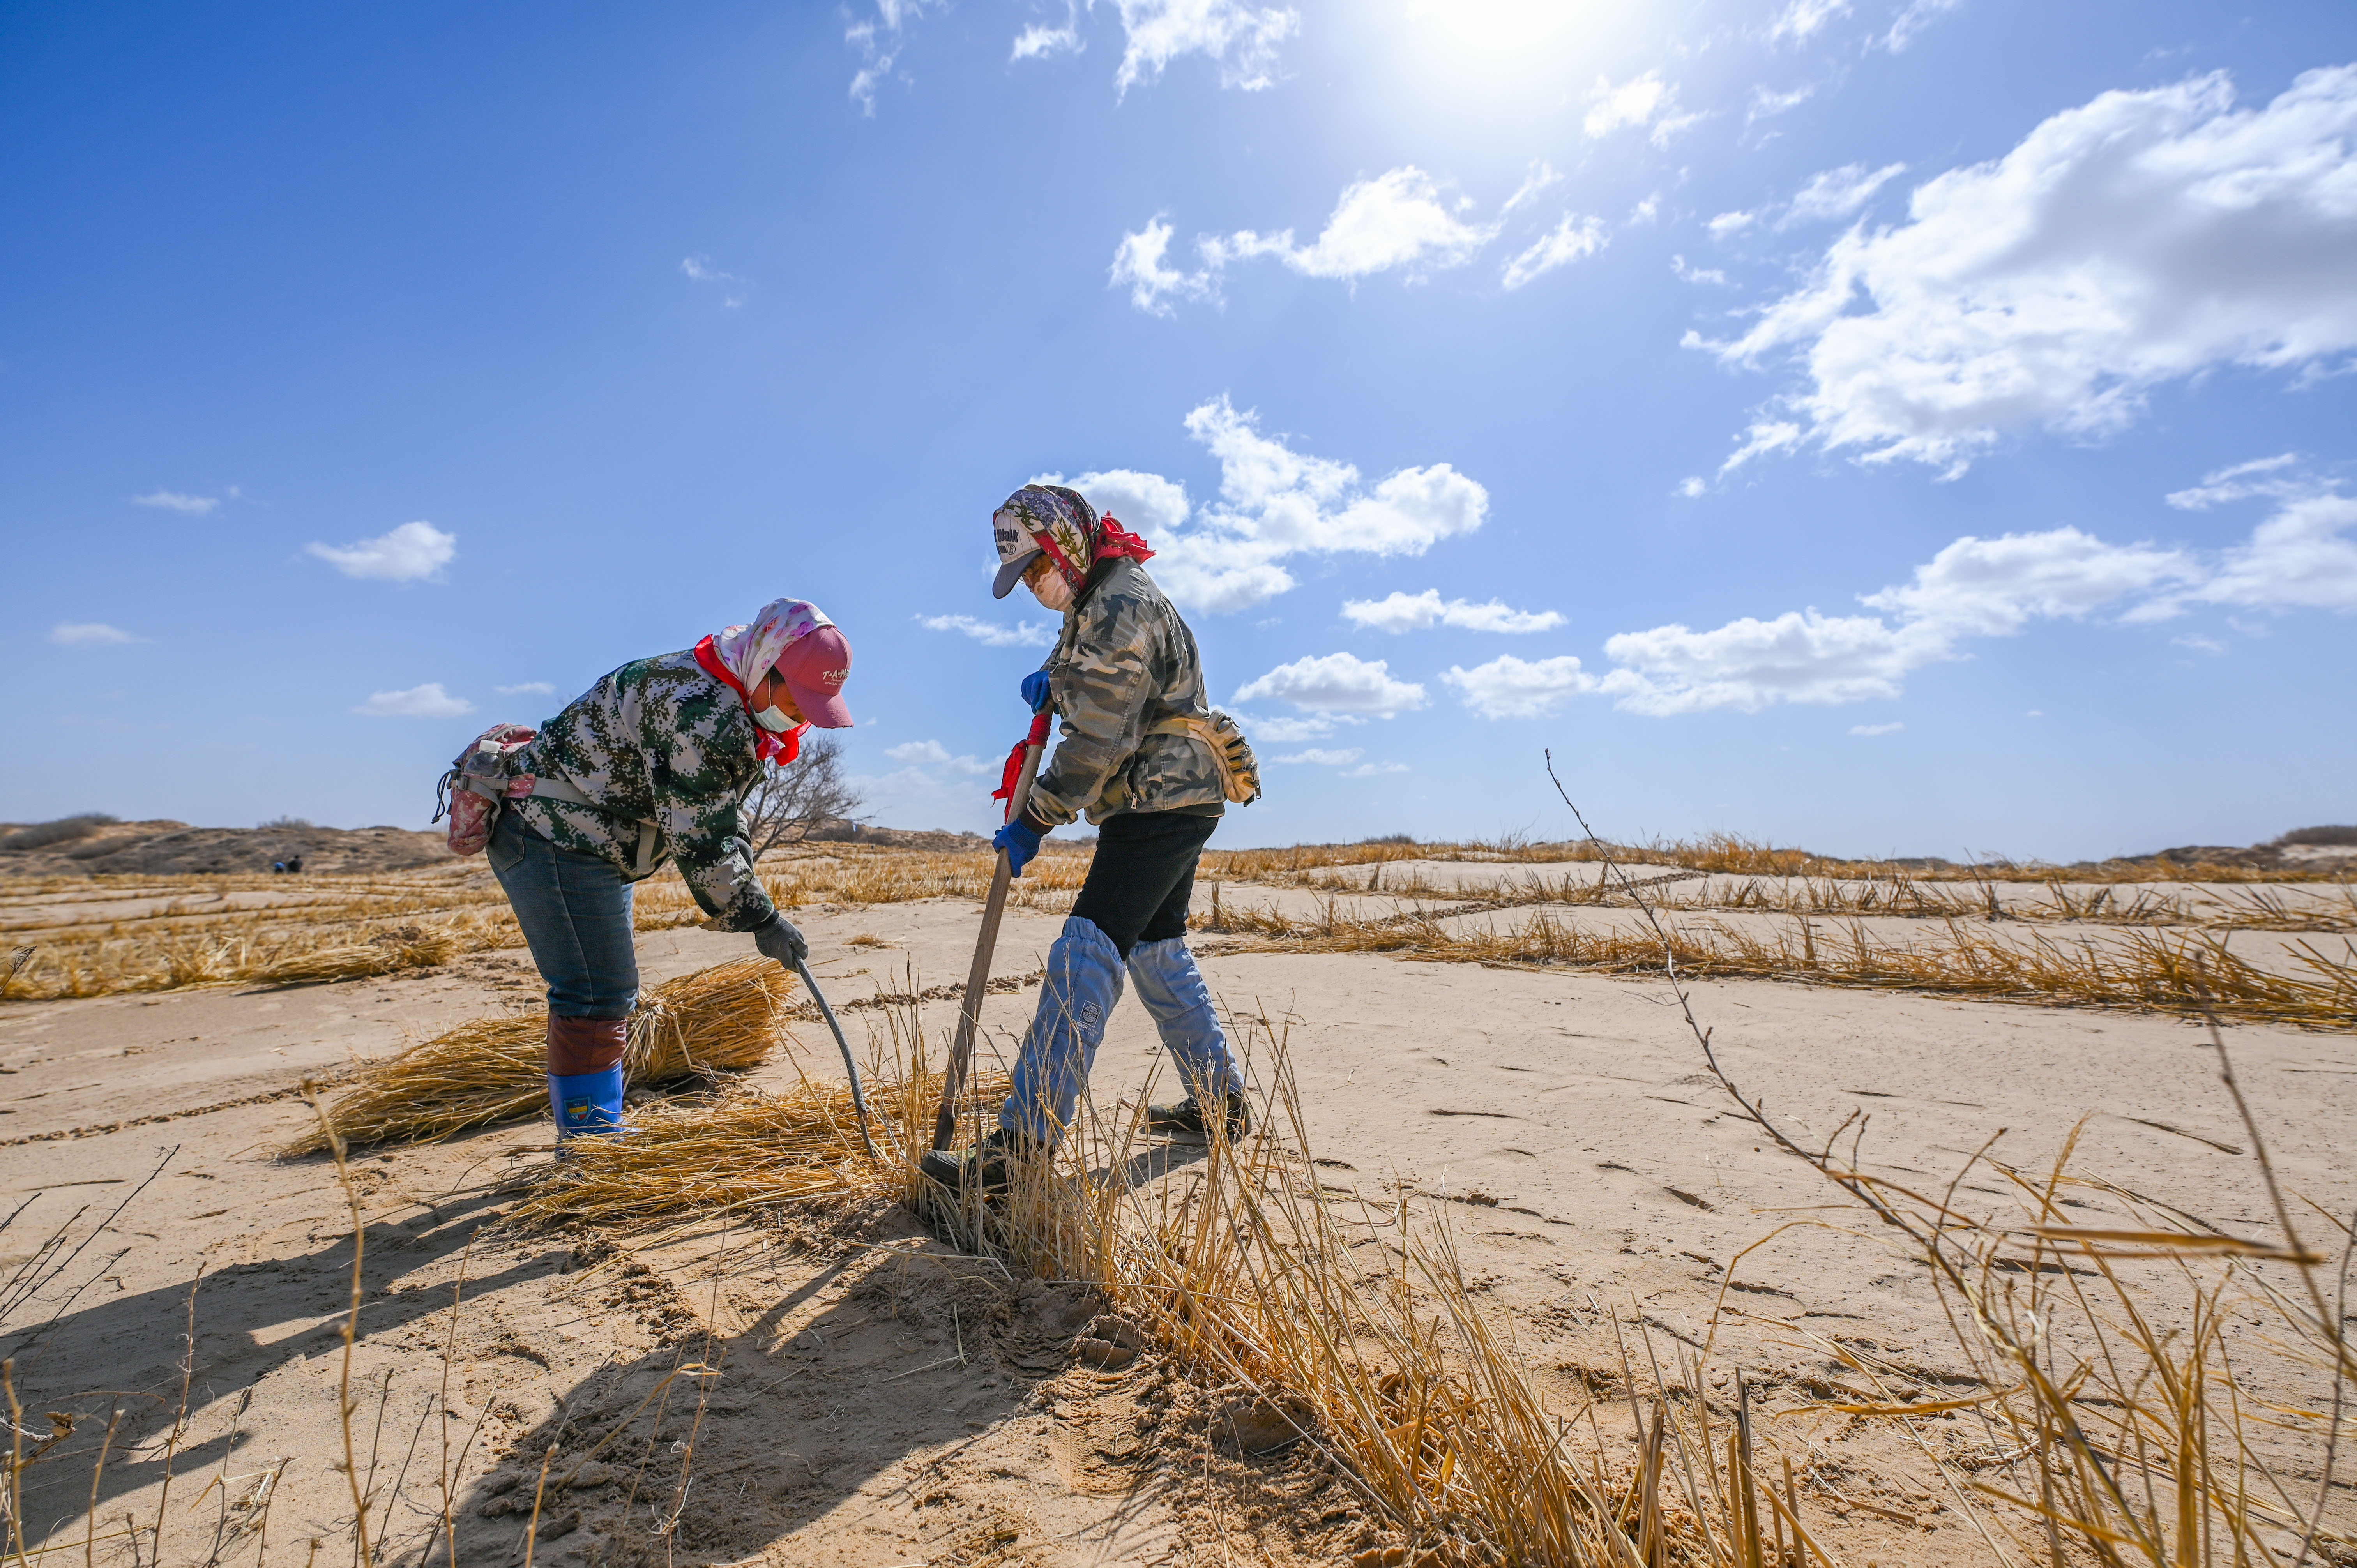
[(858, 1095), (978, 979)]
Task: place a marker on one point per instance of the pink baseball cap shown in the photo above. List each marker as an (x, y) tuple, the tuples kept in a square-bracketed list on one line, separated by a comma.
[(814, 666)]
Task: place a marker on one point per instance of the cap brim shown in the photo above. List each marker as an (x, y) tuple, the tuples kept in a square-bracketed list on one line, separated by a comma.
[(1012, 573), (827, 713)]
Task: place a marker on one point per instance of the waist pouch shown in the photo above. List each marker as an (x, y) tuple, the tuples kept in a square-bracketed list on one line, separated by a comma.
[(1231, 752)]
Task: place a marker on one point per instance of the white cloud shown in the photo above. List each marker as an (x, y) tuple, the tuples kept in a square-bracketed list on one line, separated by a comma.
[(2143, 238), (1324, 757), (1918, 15), (1691, 486), (1274, 502), (173, 501), (1798, 657), (1396, 219), (1370, 770), (90, 634), (1767, 436), (1336, 684), (1802, 18), (1646, 211), (1695, 274), (1144, 503), (1288, 731), (1837, 193), (2301, 556), (2260, 477), (1877, 729), (1541, 175), (1636, 102), (733, 289), (1242, 38), (1040, 41), (1511, 688), (1766, 105), (990, 634), (1727, 223), (426, 702), (934, 754), (1138, 261), (1974, 588), (1992, 587), (527, 689), (879, 40), (1567, 242), (413, 551), (1400, 612)]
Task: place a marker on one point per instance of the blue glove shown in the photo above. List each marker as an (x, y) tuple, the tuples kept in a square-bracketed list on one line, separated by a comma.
[(1035, 691), (1020, 840)]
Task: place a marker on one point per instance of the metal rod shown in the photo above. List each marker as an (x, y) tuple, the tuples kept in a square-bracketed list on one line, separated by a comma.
[(858, 1095)]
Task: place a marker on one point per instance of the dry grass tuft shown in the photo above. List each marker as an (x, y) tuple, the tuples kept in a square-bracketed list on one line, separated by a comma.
[(723, 1018), (1239, 1271)]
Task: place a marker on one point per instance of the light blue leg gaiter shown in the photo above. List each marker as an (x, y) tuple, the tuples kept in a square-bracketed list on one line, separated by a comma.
[(1173, 990), (588, 1102), (1082, 984)]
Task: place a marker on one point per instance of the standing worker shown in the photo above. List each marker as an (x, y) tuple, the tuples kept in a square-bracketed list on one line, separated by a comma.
[(1127, 680), (653, 764)]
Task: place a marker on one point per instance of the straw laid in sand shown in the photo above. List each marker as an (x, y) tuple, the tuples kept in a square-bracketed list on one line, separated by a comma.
[(773, 1148), (729, 1016)]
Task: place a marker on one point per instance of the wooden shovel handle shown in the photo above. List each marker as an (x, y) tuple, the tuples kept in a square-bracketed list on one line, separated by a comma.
[(978, 979)]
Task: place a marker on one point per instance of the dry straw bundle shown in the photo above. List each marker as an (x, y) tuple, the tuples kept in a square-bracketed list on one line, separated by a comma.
[(727, 1017), (702, 1162)]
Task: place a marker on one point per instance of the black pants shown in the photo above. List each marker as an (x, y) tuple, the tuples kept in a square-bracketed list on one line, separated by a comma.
[(1143, 876)]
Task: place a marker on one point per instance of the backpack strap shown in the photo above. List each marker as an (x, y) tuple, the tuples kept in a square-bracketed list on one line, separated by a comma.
[(550, 787)]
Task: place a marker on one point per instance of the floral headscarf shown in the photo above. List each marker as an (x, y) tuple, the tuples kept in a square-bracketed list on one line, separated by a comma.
[(1068, 528), (740, 657)]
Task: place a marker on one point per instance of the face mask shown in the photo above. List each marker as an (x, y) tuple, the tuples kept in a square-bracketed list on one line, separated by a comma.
[(1052, 591), (774, 720)]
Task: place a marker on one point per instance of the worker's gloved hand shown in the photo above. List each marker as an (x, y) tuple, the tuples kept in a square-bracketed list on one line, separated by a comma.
[(1020, 839), (781, 940), (1035, 691)]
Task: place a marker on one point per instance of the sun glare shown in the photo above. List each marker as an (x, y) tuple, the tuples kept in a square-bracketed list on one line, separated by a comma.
[(1515, 48)]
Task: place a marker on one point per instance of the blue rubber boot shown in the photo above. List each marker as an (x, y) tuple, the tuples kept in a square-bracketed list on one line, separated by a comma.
[(1083, 983), (586, 1103), (1174, 993)]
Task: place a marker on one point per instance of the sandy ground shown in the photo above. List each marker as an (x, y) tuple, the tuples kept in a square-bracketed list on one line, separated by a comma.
[(842, 1389)]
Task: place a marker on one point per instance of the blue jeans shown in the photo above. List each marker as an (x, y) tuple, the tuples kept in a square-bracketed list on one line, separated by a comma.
[(575, 909)]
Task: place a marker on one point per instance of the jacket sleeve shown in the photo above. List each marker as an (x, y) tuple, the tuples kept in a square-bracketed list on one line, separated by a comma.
[(1101, 692), (698, 805)]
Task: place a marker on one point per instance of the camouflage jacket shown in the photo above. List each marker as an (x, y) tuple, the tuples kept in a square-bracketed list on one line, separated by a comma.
[(1126, 661), (658, 741)]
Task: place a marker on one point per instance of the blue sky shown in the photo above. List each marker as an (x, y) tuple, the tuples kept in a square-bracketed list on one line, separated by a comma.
[(1890, 425)]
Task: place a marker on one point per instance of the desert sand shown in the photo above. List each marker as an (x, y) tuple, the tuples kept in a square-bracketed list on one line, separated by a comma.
[(833, 1384)]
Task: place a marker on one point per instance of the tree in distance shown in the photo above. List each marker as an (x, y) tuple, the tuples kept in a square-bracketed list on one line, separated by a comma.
[(807, 793)]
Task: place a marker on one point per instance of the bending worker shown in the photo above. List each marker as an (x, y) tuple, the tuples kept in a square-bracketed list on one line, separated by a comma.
[(658, 756), (1124, 666)]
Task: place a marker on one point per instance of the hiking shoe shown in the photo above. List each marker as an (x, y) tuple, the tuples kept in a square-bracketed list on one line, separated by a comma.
[(1188, 1116), (986, 1170)]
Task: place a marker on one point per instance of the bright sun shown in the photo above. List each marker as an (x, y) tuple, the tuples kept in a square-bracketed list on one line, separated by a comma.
[(1511, 47)]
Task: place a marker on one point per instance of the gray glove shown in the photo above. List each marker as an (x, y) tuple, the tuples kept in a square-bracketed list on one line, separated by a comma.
[(782, 941)]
